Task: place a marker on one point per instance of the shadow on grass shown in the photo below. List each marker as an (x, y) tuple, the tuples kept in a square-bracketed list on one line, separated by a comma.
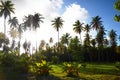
[(48, 77), (99, 71)]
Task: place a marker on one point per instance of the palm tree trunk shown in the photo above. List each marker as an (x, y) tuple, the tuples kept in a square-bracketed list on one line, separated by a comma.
[(4, 29), (80, 39), (36, 42), (58, 39)]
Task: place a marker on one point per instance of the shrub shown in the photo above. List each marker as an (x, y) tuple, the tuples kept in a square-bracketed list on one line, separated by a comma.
[(117, 65), (71, 69), (42, 68), (83, 65)]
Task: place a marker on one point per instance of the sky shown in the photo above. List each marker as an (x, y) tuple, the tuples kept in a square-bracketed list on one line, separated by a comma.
[(69, 11)]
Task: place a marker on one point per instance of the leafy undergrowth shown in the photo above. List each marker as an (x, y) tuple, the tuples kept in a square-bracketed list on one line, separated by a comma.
[(90, 72)]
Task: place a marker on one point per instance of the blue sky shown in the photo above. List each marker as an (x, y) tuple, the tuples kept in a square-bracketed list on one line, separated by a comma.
[(103, 8)]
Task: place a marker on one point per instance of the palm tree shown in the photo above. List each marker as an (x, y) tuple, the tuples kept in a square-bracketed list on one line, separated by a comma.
[(78, 28), (87, 28), (100, 36), (65, 39), (20, 31), (13, 22), (100, 41), (37, 19), (112, 36), (33, 22), (6, 8), (57, 23), (13, 33), (93, 42), (96, 23), (87, 36)]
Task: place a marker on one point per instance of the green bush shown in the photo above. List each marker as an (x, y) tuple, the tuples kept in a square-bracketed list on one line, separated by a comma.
[(117, 65), (71, 69), (41, 68), (83, 65)]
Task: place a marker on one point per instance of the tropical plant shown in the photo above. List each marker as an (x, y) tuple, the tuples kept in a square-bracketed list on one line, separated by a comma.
[(13, 22), (100, 36), (96, 23), (93, 42), (112, 36), (42, 68), (117, 7), (6, 8), (26, 46), (78, 28), (3, 39), (71, 69), (87, 36), (65, 39), (14, 34), (33, 22), (20, 31), (57, 23)]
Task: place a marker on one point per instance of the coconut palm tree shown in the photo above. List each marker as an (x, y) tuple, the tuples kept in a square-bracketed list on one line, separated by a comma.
[(87, 28), (96, 23), (112, 36), (33, 22), (13, 22), (78, 28), (20, 31), (65, 39), (13, 33), (6, 8), (100, 36), (87, 36), (93, 42), (37, 19), (57, 23)]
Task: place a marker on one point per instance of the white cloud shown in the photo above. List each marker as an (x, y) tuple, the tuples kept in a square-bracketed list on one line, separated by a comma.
[(73, 12)]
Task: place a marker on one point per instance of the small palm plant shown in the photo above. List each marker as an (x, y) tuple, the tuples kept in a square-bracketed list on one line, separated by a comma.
[(42, 68), (71, 69)]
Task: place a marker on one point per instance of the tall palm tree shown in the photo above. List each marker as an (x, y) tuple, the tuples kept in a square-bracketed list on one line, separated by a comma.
[(57, 23), (65, 39), (13, 22), (87, 36), (13, 33), (78, 28), (6, 8), (87, 28), (33, 22), (37, 19), (20, 31), (100, 36), (112, 36), (93, 43), (96, 23)]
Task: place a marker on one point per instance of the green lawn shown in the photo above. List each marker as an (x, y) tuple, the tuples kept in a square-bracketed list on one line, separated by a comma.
[(91, 72)]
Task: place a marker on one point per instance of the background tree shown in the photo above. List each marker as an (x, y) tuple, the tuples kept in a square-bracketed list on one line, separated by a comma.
[(6, 8), (57, 23), (78, 28), (65, 39), (117, 7), (13, 22), (112, 36), (96, 23), (14, 34)]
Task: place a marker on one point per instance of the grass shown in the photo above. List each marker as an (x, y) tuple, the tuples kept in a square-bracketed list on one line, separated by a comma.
[(92, 71)]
